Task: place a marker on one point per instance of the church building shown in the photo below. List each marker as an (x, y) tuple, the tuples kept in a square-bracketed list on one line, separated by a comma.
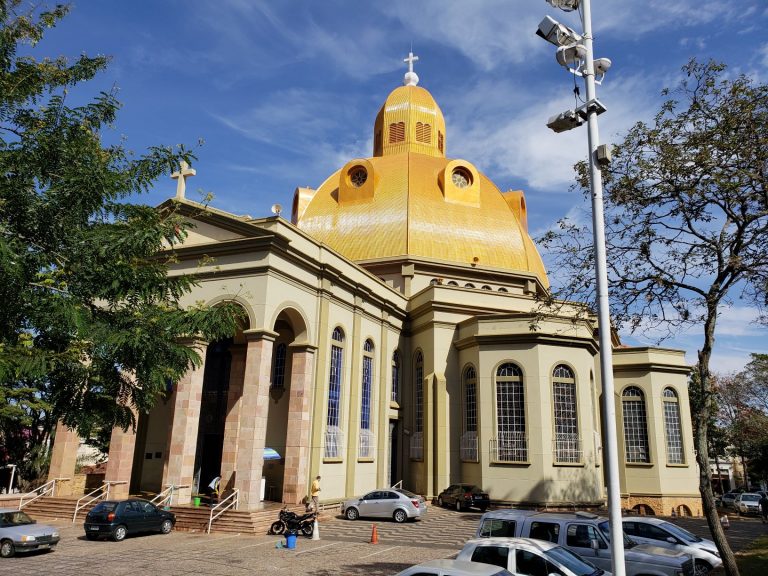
[(395, 335)]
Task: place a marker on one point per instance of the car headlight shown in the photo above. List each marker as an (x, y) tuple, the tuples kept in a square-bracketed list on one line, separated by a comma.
[(55, 535), (27, 538)]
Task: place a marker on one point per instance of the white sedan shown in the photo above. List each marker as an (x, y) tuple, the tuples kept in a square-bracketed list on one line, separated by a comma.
[(526, 556), (454, 568)]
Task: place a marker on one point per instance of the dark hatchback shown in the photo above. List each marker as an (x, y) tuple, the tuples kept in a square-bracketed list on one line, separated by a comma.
[(462, 496), (117, 519)]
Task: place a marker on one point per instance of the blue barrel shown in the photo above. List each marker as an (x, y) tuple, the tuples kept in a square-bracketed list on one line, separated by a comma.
[(290, 540)]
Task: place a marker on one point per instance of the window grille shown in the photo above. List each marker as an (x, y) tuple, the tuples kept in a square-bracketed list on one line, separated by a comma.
[(510, 444), (417, 446), (567, 444), (635, 425), (396, 132), (419, 400), (278, 367), (365, 401), (377, 143), (396, 376), (365, 449), (672, 427), (440, 142), (469, 446), (332, 448), (469, 436)]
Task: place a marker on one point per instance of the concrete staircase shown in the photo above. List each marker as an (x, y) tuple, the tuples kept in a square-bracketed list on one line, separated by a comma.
[(188, 518)]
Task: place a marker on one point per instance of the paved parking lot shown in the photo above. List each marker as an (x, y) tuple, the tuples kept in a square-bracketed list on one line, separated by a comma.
[(344, 549)]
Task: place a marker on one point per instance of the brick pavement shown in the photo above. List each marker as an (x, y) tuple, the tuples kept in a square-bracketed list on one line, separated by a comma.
[(343, 549)]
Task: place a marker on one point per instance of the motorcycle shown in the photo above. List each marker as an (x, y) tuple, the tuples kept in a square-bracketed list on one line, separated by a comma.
[(292, 522)]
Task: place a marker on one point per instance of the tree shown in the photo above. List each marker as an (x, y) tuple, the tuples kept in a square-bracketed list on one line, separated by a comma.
[(91, 325), (686, 207)]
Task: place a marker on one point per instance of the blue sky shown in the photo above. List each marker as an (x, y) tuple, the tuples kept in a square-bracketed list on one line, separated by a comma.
[(283, 93)]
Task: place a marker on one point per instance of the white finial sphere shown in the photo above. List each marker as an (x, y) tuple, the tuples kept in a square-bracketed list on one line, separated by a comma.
[(411, 79)]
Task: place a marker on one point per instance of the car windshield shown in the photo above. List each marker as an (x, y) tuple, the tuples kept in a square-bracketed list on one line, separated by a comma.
[(17, 518), (606, 530), (750, 498), (573, 562), (681, 533), (407, 494)]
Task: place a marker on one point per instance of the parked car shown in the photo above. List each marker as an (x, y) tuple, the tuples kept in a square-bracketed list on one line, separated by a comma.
[(588, 536), (117, 519), (393, 503), (19, 533), (728, 498), (445, 567), (748, 503), (528, 556), (462, 496), (659, 532)]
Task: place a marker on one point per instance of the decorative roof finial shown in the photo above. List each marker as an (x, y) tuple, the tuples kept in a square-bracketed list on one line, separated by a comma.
[(411, 78), (181, 176)]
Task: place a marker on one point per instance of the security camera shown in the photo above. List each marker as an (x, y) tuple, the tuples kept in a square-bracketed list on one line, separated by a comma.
[(565, 5), (558, 34), (567, 120), (570, 55), (602, 65)]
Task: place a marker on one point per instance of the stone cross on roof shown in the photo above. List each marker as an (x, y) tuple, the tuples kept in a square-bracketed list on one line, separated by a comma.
[(411, 78), (181, 175)]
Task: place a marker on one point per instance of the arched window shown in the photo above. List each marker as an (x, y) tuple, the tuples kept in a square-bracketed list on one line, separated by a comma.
[(417, 438), (511, 441), (333, 433), (567, 442), (469, 285), (396, 376), (278, 367), (396, 132), (423, 133), (366, 435), (453, 283), (485, 287), (440, 141), (672, 427), (502, 289), (469, 405), (635, 425)]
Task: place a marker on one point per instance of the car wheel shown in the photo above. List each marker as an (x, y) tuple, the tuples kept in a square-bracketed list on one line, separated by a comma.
[(277, 527), (166, 526), (400, 516), (352, 514), (119, 533), (458, 506), (440, 501), (91, 536), (307, 529), (701, 569), (6, 549)]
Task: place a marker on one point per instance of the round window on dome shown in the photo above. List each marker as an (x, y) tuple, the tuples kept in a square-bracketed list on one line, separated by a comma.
[(357, 176), (461, 177)]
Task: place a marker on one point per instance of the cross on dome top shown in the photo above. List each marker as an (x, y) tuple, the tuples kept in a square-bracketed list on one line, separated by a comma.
[(181, 176), (411, 78)]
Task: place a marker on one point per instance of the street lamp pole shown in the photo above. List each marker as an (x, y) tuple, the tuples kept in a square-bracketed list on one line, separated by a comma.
[(603, 309), (572, 49)]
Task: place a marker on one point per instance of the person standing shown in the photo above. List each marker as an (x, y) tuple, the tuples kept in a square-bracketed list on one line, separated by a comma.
[(315, 493), (764, 508)]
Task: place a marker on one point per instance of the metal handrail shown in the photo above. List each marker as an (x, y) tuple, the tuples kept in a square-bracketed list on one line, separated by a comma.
[(165, 498), (103, 493), (398, 485), (49, 486), (235, 502)]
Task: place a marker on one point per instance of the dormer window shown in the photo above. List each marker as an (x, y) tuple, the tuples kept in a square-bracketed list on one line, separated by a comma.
[(396, 132), (357, 176), (440, 141), (423, 133), (461, 178)]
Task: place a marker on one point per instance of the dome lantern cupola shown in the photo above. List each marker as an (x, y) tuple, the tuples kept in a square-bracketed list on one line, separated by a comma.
[(410, 120)]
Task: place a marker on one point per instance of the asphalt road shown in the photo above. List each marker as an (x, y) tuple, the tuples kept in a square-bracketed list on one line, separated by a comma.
[(344, 549)]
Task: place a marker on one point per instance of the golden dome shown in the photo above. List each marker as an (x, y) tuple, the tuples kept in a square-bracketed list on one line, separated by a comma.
[(410, 200)]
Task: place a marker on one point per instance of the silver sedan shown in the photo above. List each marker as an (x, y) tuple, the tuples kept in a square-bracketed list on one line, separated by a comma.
[(394, 503)]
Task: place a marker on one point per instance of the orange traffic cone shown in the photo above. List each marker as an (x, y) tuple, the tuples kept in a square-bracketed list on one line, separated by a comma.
[(374, 535)]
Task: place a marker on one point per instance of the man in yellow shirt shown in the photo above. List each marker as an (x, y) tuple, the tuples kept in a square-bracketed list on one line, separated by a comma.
[(315, 493)]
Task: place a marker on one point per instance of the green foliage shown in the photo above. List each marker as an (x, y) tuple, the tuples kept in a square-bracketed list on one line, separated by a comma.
[(91, 322)]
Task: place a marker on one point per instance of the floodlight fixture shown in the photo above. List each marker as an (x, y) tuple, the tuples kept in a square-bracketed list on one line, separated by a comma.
[(565, 5), (565, 121), (558, 34)]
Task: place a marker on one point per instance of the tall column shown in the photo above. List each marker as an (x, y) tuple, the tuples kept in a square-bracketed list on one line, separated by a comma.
[(232, 424), (120, 463), (182, 434), (297, 448), (63, 458), (254, 409)]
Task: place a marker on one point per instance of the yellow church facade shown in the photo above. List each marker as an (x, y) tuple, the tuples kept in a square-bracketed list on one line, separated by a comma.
[(394, 335)]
